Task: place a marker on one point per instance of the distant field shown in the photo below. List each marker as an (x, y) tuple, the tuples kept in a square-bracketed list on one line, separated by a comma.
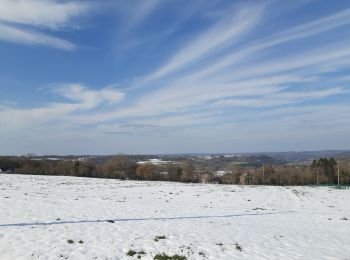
[(44, 217)]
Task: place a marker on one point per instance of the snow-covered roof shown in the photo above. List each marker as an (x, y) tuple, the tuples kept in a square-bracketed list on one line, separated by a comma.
[(154, 162), (221, 172)]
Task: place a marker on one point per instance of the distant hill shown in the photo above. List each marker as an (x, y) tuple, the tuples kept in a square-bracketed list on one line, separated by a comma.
[(304, 156), (343, 155), (217, 161)]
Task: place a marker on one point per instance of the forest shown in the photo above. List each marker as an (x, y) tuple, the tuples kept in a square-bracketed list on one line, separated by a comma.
[(325, 171)]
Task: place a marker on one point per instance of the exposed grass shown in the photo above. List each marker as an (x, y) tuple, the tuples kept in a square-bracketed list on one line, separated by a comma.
[(259, 209), (166, 257), (238, 247), (133, 252), (157, 238)]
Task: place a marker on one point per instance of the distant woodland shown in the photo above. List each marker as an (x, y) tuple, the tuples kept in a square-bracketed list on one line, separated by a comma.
[(324, 171)]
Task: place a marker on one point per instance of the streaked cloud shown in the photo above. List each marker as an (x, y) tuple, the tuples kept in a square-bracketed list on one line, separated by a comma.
[(78, 99), (234, 78), (32, 37), (27, 21), (227, 31)]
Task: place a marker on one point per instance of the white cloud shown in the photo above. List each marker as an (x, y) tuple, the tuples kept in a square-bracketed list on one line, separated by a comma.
[(315, 58), (21, 20), (81, 100), (90, 98), (227, 31), (189, 92), (321, 25), (184, 96), (140, 12), (281, 98), (42, 13), (225, 86), (31, 37), (213, 83)]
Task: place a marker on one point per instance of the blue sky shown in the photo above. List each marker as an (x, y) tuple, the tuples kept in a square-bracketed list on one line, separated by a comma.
[(164, 76)]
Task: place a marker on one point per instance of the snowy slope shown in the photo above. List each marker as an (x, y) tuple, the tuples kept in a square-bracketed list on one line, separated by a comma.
[(39, 214)]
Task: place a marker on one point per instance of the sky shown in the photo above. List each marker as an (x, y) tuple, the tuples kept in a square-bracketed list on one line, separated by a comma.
[(166, 76)]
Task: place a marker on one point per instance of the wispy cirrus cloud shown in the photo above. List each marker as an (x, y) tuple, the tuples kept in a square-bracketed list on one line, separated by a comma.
[(309, 29), (51, 14), (22, 21), (141, 11), (78, 99), (133, 14), (281, 98), (227, 31), (33, 37), (259, 84), (232, 81)]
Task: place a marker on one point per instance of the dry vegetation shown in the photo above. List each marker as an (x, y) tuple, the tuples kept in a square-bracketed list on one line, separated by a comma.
[(321, 172)]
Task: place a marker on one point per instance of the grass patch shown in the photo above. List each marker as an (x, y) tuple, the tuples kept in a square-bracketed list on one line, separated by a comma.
[(133, 252), (157, 238), (166, 257)]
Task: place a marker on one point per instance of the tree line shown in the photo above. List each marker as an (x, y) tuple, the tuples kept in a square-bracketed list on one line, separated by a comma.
[(321, 172)]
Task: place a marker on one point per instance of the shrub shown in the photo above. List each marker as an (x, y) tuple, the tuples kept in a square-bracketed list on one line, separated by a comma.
[(133, 252), (157, 238), (166, 257), (238, 247)]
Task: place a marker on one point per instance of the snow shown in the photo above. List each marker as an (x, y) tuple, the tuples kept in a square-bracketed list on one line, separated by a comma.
[(221, 172), (156, 162), (38, 214)]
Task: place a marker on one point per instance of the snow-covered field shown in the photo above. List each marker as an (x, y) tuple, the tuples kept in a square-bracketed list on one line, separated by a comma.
[(39, 215)]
